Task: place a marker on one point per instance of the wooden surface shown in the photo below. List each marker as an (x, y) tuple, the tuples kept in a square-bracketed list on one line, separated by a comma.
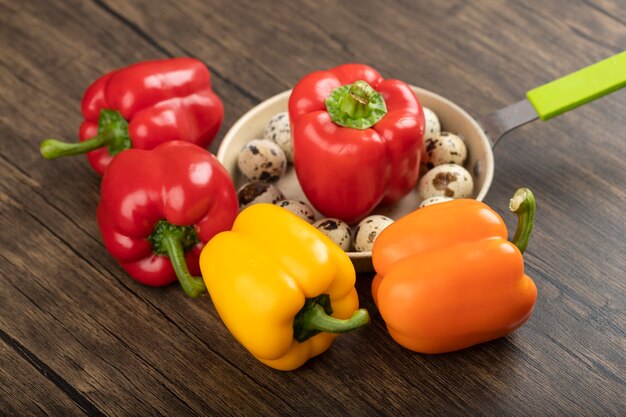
[(79, 336)]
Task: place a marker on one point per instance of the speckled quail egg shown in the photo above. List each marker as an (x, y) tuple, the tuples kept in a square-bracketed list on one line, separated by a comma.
[(448, 180), (262, 159), (258, 192), (446, 148), (299, 208), (432, 125), (434, 200), (368, 230), (279, 132), (337, 230)]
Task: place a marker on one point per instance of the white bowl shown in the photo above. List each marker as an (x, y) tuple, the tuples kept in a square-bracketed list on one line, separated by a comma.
[(452, 117)]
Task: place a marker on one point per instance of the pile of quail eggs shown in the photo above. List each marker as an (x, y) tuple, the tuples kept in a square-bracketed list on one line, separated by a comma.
[(263, 161), (443, 154)]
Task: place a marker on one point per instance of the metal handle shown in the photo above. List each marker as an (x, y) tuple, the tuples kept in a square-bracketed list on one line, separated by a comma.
[(558, 96)]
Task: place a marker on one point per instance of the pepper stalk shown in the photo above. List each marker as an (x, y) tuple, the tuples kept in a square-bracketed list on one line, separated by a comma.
[(315, 317), (357, 105), (173, 241), (112, 134), (523, 205)]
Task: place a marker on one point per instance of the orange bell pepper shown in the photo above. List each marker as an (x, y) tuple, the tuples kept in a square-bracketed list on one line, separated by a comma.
[(447, 278)]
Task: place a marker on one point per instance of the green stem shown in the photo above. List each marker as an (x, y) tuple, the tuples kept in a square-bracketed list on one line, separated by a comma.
[(193, 286), (356, 106), (112, 133), (356, 103), (319, 320), (52, 148), (523, 205), (315, 317)]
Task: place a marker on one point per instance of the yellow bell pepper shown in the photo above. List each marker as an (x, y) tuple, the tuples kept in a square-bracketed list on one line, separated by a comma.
[(282, 288)]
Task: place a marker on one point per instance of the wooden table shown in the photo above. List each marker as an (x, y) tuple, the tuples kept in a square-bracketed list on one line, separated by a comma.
[(78, 335)]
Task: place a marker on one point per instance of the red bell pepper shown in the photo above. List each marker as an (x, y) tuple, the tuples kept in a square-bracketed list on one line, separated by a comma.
[(158, 209), (357, 139), (142, 106)]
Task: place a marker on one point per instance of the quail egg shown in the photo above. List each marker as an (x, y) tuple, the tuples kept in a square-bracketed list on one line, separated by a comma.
[(337, 230), (434, 200), (262, 159), (279, 132), (300, 209), (432, 125), (446, 148), (258, 192), (447, 180), (368, 230)]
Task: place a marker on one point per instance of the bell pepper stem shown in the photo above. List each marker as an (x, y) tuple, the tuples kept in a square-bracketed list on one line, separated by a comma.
[(112, 133), (523, 205), (319, 320), (193, 286), (314, 318), (355, 103), (357, 106), (52, 148)]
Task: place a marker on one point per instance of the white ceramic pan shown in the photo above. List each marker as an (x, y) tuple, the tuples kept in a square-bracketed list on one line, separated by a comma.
[(480, 135)]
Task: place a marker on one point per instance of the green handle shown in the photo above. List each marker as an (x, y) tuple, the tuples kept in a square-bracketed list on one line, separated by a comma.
[(579, 87)]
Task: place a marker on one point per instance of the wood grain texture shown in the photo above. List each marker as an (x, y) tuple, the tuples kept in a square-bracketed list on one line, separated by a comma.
[(79, 336), (30, 388)]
